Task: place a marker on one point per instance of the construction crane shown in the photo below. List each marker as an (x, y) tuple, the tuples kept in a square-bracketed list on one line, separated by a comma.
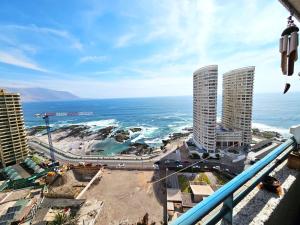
[(46, 116)]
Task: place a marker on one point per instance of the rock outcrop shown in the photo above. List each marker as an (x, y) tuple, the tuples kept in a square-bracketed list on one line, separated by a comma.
[(104, 133), (34, 130), (121, 135), (135, 129), (138, 149), (80, 131)]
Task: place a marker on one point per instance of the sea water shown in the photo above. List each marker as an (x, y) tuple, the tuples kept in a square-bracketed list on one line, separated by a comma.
[(158, 116)]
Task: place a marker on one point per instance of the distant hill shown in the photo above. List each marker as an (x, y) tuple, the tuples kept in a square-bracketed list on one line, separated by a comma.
[(42, 94)]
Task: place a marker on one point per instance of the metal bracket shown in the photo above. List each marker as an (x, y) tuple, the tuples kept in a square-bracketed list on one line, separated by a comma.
[(228, 217)]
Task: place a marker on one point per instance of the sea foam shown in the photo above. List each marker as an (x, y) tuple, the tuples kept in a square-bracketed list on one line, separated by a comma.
[(263, 127)]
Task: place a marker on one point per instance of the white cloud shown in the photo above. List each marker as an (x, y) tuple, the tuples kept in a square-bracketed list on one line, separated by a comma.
[(17, 59), (124, 40), (74, 42), (198, 33), (185, 36), (93, 58)]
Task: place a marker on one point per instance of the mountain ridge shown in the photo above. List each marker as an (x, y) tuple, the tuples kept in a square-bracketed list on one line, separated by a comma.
[(37, 94)]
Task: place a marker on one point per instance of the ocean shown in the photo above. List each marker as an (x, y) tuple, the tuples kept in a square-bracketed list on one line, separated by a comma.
[(159, 116)]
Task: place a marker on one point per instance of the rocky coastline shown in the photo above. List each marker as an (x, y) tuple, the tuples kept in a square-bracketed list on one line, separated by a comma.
[(266, 134), (84, 138), (81, 138)]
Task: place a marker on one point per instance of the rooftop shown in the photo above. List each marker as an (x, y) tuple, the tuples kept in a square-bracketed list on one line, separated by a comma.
[(243, 69), (174, 195), (209, 67), (201, 189), (187, 200)]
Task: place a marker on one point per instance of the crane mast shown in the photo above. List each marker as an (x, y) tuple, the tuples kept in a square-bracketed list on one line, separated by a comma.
[(45, 116)]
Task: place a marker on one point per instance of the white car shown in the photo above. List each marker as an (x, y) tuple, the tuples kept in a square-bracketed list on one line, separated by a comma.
[(121, 165), (217, 167), (156, 167)]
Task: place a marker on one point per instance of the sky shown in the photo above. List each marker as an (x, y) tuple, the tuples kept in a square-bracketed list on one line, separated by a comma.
[(138, 48)]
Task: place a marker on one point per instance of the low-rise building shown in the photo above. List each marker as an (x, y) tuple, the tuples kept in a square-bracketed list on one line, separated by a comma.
[(201, 191), (228, 138)]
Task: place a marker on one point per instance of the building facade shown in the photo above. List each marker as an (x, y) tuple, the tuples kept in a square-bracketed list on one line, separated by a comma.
[(205, 82), (237, 101), (13, 142), (228, 138)]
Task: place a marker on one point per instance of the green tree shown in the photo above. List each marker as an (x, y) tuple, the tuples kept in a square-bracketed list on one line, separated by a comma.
[(64, 219)]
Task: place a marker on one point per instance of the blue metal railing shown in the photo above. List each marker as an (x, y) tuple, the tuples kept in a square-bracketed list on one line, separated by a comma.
[(225, 194)]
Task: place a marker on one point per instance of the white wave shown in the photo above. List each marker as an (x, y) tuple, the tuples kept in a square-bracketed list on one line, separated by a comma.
[(101, 123), (181, 128), (154, 141), (139, 137), (263, 127), (147, 131), (94, 125)]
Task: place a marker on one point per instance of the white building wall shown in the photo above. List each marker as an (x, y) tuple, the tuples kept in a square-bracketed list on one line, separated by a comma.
[(225, 139), (205, 82), (238, 100)]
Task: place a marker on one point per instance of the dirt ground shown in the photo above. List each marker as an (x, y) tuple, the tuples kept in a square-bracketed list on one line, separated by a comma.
[(68, 183), (127, 197)]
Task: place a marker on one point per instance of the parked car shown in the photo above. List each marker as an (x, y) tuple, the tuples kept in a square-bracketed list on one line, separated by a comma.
[(217, 167), (155, 166), (121, 165), (179, 166), (168, 161), (196, 167)]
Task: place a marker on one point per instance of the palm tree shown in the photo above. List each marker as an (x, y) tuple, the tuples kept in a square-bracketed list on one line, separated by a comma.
[(64, 219), (59, 219)]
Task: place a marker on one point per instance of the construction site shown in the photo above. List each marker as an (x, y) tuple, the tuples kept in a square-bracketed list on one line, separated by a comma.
[(39, 197), (37, 190)]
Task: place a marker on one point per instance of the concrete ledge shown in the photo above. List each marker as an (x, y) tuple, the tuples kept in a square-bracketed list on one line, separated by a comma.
[(288, 210), (257, 207)]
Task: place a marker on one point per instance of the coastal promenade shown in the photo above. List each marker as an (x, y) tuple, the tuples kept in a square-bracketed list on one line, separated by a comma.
[(111, 163), (129, 162)]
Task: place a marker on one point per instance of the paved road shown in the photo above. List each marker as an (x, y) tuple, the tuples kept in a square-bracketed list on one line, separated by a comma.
[(139, 164), (128, 164)]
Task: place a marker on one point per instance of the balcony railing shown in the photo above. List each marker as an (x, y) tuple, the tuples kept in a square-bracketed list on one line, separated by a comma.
[(220, 204)]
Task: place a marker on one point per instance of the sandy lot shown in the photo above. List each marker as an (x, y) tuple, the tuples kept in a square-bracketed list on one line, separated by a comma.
[(127, 197), (68, 184)]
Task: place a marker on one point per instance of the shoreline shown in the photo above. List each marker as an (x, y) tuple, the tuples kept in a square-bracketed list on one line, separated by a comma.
[(82, 140)]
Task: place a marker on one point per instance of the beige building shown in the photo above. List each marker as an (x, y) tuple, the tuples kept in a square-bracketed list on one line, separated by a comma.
[(205, 89), (237, 101), (201, 191), (13, 143)]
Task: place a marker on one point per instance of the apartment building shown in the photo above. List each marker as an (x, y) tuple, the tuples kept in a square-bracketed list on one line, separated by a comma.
[(13, 142), (238, 100), (205, 81)]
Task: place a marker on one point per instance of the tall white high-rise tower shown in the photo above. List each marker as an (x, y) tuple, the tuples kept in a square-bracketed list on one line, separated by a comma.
[(205, 89), (237, 101)]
